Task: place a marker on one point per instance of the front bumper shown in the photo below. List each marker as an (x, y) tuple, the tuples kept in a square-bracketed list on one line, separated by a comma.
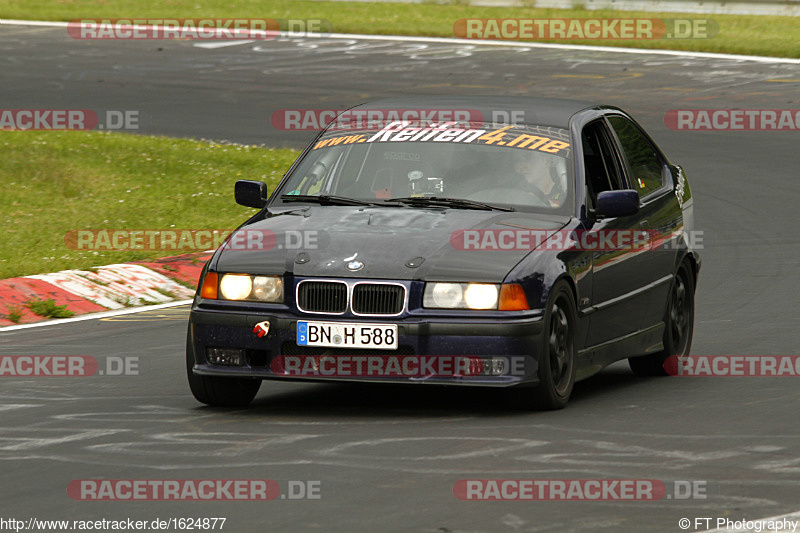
[(508, 344)]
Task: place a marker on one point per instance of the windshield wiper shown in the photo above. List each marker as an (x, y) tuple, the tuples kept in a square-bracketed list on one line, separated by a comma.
[(458, 203), (325, 199)]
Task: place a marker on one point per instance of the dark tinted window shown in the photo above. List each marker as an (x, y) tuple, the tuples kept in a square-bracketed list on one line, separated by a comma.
[(643, 160), (600, 162)]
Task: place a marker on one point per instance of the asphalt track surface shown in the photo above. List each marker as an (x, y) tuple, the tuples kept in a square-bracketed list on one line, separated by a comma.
[(387, 458)]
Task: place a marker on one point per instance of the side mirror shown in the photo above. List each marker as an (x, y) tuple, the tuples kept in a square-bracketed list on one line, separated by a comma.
[(251, 193), (618, 203)]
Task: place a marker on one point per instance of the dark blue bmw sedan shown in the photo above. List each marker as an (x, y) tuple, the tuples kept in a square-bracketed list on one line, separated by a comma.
[(496, 242)]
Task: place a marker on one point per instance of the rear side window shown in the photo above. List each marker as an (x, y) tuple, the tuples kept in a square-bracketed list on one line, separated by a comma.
[(644, 162)]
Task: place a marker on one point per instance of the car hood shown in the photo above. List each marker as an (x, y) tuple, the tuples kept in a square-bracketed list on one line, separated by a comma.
[(391, 243)]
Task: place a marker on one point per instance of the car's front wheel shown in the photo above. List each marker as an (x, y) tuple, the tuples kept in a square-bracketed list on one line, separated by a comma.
[(556, 363), (678, 327), (219, 391)]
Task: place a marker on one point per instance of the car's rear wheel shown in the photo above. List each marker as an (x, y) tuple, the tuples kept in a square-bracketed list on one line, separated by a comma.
[(678, 327), (557, 353), (219, 391)]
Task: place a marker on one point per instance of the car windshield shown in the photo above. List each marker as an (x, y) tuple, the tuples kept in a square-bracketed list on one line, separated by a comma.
[(524, 167)]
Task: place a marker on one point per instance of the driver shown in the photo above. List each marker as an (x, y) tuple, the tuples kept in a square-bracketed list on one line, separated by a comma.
[(540, 180)]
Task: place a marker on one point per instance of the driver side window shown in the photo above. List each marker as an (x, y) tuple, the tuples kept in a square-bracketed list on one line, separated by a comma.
[(600, 162)]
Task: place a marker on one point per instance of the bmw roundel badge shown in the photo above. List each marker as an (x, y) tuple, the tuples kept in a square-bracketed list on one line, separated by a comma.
[(354, 266)]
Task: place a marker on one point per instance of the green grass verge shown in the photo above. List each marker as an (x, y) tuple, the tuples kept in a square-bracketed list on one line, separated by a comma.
[(739, 34), (54, 182)]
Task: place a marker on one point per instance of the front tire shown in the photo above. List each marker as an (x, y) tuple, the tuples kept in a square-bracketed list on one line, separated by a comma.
[(678, 327), (557, 353), (219, 391)]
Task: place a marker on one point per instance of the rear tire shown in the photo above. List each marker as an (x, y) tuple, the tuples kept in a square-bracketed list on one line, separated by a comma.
[(678, 327), (556, 368), (219, 391)]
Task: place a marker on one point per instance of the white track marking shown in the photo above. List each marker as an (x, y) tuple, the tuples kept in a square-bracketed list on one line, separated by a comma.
[(34, 23), (12, 406), (223, 44), (94, 316)]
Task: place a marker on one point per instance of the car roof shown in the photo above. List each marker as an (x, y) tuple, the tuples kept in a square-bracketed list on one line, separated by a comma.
[(536, 111)]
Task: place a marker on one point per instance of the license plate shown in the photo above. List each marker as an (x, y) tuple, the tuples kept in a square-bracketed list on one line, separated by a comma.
[(347, 335)]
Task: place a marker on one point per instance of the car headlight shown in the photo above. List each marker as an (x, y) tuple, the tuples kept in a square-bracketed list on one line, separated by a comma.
[(268, 289), (235, 286), (480, 296), (247, 287), (444, 295), (460, 295)]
